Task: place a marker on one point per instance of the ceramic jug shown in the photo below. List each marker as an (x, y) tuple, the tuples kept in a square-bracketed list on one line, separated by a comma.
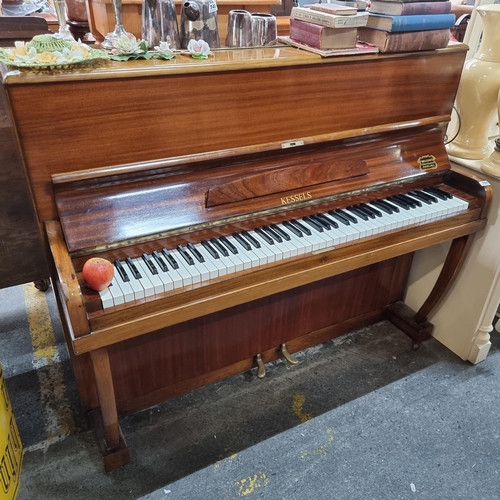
[(478, 91)]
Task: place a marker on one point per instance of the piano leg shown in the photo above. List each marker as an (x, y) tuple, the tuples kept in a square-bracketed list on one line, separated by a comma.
[(416, 325), (104, 420)]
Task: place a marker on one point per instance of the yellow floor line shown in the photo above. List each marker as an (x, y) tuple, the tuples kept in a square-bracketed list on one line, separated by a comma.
[(57, 412)]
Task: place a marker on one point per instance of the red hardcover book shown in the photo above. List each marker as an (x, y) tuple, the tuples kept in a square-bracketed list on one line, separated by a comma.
[(322, 37), (409, 8)]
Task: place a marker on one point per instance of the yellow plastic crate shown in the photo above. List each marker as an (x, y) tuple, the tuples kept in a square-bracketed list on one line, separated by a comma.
[(11, 449)]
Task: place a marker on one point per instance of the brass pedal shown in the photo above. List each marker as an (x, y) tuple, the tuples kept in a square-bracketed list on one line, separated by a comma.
[(289, 357), (261, 367)]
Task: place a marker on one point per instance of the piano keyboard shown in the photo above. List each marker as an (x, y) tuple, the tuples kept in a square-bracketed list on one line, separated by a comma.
[(170, 269)]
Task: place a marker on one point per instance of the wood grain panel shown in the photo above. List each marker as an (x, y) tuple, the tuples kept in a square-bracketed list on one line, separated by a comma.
[(212, 342), (22, 257), (121, 119)]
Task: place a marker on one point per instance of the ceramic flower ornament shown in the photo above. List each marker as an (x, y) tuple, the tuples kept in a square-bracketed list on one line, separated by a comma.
[(199, 49), (128, 45), (40, 55), (164, 50)]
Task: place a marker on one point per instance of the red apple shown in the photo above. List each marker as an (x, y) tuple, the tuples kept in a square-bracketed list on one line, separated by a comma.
[(98, 273)]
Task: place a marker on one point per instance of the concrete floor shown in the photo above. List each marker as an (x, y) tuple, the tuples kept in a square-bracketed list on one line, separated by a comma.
[(360, 417)]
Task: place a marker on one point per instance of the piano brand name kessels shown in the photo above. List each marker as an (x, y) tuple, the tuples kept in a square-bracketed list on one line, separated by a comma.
[(295, 197)]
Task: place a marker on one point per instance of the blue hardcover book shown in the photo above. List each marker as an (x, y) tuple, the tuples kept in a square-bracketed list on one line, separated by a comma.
[(411, 23)]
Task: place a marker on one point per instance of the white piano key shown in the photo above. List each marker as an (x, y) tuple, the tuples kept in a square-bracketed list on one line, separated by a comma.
[(195, 273), (247, 259), (187, 277), (392, 221), (156, 282), (210, 262), (270, 255), (388, 222), (264, 255), (202, 268), (291, 251), (235, 259), (137, 288), (316, 242), (146, 284), (106, 298), (126, 288), (303, 246)]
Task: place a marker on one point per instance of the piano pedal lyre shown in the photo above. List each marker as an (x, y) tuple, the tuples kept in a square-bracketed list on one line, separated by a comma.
[(261, 367), (289, 357)]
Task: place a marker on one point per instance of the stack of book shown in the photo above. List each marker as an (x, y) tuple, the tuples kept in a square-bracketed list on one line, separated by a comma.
[(326, 26), (408, 25)]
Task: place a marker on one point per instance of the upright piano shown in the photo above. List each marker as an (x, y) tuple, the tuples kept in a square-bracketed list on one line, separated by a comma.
[(254, 204)]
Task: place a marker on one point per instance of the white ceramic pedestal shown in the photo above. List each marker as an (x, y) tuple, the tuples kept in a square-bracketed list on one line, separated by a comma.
[(464, 320)]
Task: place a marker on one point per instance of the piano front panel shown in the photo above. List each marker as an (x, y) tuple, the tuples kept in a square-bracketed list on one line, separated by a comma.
[(177, 359)]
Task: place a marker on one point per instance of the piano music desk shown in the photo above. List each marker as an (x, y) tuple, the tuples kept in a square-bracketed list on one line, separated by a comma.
[(164, 154)]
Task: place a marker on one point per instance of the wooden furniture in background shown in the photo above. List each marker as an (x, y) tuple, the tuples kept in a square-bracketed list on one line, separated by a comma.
[(144, 168), (102, 19), (22, 257), (22, 28)]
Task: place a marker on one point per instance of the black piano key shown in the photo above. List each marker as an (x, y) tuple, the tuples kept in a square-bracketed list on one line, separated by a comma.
[(147, 259), (264, 236), (160, 261), (415, 203), (121, 271), (228, 245), (220, 247), (425, 198), (242, 241), (440, 193), (346, 215), (194, 251), (170, 258), (327, 219), (399, 203), (210, 249), (301, 227), (183, 251), (250, 239), (320, 221), (280, 231), (313, 224), (275, 236), (296, 231), (364, 209), (404, 200), (374, 211), (357, 212), (135, 273), (385, 206), (389, 205), (339, 217)]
